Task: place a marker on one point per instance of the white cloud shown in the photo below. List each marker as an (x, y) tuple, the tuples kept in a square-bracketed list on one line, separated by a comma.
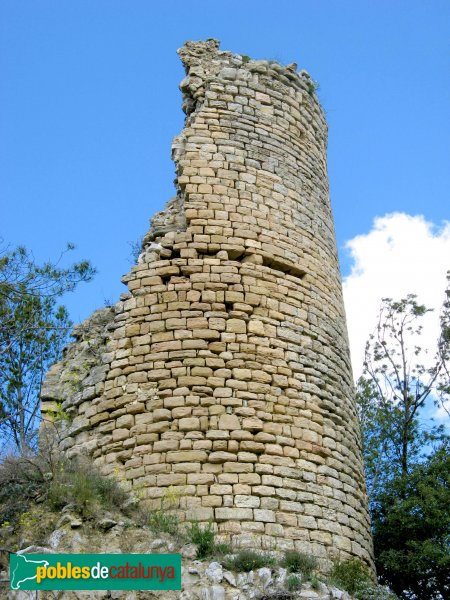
[(402, 254), (442, 412)]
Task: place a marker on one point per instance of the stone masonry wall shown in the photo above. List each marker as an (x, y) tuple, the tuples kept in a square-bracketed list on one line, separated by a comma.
[(224, 375)]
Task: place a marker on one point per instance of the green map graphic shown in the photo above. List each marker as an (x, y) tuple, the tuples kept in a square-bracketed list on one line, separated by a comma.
[(63, 571), (24, 570)]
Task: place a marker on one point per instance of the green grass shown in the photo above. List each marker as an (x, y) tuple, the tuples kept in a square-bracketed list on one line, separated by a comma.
[(297, 562), (315, 583), (80, 484), (313, 86), (351, 575), (160, 521), (293, 583), (203, 538), (248, 560), (221, 549), (375, 592)]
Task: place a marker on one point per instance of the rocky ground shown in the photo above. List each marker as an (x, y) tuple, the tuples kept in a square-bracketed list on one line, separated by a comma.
[(204, 579)]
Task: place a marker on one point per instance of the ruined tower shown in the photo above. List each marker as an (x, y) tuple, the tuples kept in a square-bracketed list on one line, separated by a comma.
[(224, 373)]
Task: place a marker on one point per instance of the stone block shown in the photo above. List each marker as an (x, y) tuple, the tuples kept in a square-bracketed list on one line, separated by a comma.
[(266, 516), (161, 414), (233, 514), (126, 421), (221, 457), (186, 456), (120, 434), (252, 424), (236, 326), (229, 422), (245, 501), (189, 424)]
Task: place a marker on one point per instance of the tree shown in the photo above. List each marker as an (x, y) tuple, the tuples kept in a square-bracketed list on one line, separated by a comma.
[(407, 456), (395, 386), (33, 331), (443, 388), (411, 528)]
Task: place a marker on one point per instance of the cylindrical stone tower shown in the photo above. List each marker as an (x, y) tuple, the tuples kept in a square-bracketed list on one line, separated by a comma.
[(224, 373)]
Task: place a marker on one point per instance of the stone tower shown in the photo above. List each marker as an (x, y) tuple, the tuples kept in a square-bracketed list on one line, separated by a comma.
[(224, 374)]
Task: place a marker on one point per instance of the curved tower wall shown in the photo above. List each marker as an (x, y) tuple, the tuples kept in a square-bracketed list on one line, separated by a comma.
[(224, 375)]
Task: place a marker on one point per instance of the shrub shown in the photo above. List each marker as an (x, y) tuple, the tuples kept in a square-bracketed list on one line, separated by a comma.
[(293, 583), (375, 592), (35, 525), (203, 538), (313, 86), (163, 522), (78, 483), (297, 562), (21, 483), (54, 482), (351, 575), (315, 583), (222, 549), (247, 560)]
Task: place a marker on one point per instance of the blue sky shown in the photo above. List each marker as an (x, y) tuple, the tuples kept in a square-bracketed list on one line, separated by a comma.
[(89, 104)]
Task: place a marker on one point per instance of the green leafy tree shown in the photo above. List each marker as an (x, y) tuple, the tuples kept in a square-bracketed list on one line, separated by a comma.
[(406, 455), (411, 527), (395, 386), (33, 331), (443, 388)]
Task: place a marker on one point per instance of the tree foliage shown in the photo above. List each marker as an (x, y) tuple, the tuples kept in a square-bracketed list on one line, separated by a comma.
[(33, 331), (406, 455), (398, 379), (411, 524)]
